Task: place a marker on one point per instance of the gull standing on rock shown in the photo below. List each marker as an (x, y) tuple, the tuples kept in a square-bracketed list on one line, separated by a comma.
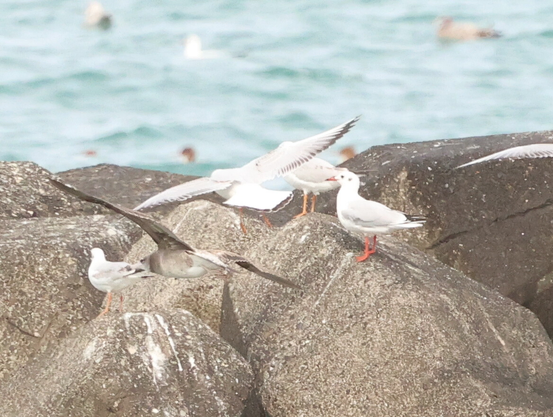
[(462, 31), (175, 258), (112, 277), (241, 187), (312, 177), (368, 217), (96, 16), (535, 150)]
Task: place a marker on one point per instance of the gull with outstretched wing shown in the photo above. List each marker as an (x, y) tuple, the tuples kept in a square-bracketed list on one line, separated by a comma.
[(241, 187), (175, 258)]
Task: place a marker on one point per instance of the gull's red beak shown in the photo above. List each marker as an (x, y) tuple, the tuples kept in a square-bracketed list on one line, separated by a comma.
[(331, 179)]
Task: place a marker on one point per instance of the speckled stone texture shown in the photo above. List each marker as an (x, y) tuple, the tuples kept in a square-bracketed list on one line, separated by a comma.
[(398, 335), (493, 221), (45, 293), (166, 363), (26, 193)]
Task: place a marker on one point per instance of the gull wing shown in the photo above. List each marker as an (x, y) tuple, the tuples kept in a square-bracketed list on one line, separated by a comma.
[(233, 258), (164, 237), (185, 191), (290, 155), (536, 150), (372, 214)]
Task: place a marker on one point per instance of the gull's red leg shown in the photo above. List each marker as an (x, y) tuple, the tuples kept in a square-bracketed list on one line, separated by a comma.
[(266, 220), (313, 200), (121, 303), (304, 211), (242, 226), (108, 303), (368, 251)]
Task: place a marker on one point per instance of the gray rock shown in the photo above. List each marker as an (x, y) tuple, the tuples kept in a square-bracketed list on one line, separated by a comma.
[(135, 364), (398, 335), (44, 289), (492, 221), (26, 193)]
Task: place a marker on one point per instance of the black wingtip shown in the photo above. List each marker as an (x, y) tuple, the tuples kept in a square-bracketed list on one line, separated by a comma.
[(282, 281)]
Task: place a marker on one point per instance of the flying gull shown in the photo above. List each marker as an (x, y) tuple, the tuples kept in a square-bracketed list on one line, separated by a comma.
[(367, 217), (241, 187), (173, 257)]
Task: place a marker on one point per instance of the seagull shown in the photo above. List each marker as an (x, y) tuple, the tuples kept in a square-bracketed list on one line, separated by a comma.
[(536, 150), (368, 217), (312, 177), (112, 277), (462, 31), (241, 187), (96, 16), (174, 258), (193, 49)]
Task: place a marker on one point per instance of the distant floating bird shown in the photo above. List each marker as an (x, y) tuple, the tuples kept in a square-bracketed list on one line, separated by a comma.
[(175, 258), (112, 277), (347, 153), (96, 16), (536, 150), (193, 49), (312, 177), (367, 217), (90, 152), (188, 155), (241, 187), (462, 31)]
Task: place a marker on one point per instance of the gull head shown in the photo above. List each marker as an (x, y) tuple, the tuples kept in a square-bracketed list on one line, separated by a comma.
[(346, 178), (97, 253)]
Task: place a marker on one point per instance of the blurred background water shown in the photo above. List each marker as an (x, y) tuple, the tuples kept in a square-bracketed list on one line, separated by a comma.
[(294, 69)]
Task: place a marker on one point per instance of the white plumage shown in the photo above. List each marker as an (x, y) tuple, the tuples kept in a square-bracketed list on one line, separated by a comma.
[(536, 150), (242, 186), (365, 217), (312, 177), (112, 277)]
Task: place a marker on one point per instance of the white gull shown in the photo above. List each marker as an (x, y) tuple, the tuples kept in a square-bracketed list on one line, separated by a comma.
[(241, 187), (366, 217), (312, 177), (193, 49), (96, 16), (112, 277)]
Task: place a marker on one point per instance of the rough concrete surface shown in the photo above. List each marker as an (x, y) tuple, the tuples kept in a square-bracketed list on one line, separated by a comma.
[(398, 335), (493, 221), (165, 363), (44, 289)]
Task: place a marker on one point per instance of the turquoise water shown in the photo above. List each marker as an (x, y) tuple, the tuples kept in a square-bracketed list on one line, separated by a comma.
[(130, 95)]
